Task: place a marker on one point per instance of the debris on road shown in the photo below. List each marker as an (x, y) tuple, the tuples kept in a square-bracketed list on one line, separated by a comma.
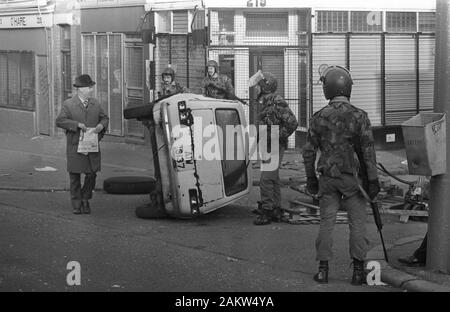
[(46, 169)]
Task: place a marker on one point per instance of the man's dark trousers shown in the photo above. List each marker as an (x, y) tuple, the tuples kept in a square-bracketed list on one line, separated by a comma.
[(78, 193)]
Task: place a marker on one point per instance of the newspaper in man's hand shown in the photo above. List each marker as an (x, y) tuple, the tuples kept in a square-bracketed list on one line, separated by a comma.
[(88, 142)]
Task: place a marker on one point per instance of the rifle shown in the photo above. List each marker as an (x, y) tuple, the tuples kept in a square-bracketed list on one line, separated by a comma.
[(373, 202)]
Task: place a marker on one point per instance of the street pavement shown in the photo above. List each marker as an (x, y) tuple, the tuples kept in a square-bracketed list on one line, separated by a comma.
[(220, 251)]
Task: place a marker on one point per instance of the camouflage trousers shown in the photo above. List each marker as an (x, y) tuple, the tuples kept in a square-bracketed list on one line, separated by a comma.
[(270, 186), (334, 192)]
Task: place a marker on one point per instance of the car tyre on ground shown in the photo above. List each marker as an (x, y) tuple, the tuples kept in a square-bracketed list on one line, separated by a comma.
[(129, 185)]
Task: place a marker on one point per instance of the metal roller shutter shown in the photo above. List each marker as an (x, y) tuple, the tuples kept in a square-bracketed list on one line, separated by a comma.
[(162, 57), (179, 59), (180, 22), (365, 67), (196, 67), (274, 63), (426, 72), (327, 49), (400, 79)]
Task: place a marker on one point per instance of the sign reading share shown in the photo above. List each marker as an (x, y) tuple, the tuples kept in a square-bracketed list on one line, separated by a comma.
[(26, 21)]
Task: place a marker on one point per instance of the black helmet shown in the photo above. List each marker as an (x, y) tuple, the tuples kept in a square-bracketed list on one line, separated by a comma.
[(168, 71), (336, 81), (212, 63), (269, 83)]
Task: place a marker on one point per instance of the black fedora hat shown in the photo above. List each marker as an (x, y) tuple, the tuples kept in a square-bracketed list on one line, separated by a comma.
[(83, 81)]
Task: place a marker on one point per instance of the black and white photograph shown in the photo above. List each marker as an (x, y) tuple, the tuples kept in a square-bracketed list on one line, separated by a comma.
[(224, 153)]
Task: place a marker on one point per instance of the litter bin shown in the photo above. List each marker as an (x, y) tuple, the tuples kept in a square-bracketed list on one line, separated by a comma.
[(425, 144)]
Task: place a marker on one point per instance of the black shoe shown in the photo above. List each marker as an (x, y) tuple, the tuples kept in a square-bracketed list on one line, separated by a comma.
[(359, 276), (86, 207), (262, 219), (411, 261), (76, 205), (322, 275), (277, 214)]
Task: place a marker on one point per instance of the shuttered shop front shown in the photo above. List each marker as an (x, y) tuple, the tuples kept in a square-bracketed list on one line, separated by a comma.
[(426, 72), (401, 102), (365, 67), (327, 49)]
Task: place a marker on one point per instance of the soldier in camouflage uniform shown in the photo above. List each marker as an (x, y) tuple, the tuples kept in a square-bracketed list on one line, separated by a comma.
[(333, 130), (216, 85), (169, 85), (273, 111)]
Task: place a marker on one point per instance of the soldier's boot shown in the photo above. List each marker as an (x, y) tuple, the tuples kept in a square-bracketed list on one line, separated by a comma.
[(258, 210), (277, 214), (359, 274), (322, 275), (263, 219)]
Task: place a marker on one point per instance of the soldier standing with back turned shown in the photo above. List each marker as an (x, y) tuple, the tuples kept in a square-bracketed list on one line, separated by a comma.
[(336, 130)]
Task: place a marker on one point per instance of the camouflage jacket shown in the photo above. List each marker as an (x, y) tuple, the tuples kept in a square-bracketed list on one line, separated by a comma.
[(173, 88), (218, 88), (332, 130), (275, 111)]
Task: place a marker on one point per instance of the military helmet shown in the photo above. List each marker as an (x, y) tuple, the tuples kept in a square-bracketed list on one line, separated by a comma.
[(212, 63), (269, 83), (168, 71), (336, 81)]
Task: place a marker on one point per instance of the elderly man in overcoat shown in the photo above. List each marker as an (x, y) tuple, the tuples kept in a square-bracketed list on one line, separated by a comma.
[(78, 114)]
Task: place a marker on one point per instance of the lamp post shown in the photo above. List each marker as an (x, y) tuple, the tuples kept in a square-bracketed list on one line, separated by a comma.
[(438, 244)]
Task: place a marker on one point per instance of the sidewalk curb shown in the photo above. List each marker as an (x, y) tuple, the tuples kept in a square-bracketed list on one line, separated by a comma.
[(400, 279)]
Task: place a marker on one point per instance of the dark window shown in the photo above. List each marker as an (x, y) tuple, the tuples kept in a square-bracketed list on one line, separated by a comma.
[(226, 65), (427, 22), (400, 22), (332, 21), (198, 20), (266, 25), (226, 20), (304, 20), (17, 87), (234, 170), (367, 21), (66, 62)]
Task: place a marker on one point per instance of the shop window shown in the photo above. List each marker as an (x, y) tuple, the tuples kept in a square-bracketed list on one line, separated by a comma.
[(304, 20), (102, 60), (367, 21), (198, 28), (17, 87), (332, 21), (180, 22), (427, 21), (226, 21), (226, 27), (266, 25), (401, 22)]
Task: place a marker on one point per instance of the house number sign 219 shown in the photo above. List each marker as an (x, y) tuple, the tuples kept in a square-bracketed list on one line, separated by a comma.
[(256, 3)]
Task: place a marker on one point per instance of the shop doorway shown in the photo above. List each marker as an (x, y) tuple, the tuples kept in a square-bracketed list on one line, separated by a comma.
[(266, 61)]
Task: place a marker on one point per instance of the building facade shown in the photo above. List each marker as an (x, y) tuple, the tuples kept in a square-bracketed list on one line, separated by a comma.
[(389, 48), (39, 54), (126, 44)]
